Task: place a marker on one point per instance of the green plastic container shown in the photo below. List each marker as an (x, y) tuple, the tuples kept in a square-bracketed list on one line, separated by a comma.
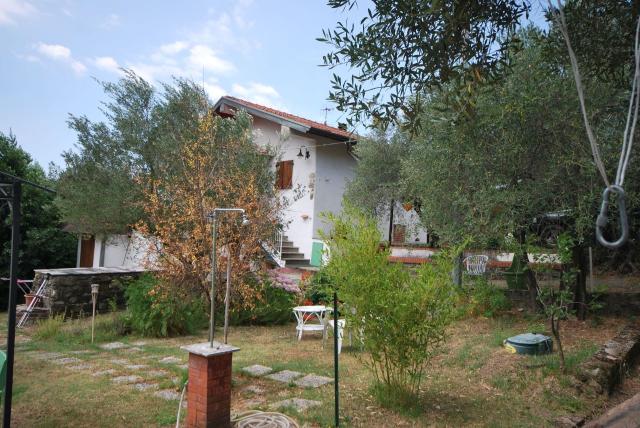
[(3, 371), (529, 344)]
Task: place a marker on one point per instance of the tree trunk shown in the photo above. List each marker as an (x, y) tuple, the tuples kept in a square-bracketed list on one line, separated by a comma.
[(532, 282), (555, 330), (580, 292)]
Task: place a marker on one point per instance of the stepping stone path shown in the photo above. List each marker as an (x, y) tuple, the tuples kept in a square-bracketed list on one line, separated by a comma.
[(104, 373), (114, 345), (254, 389), (66, 360), (257, 370), (145, 386), (139, 343), (80, 367), (133, 349), (48, 355), (167, 394), (135, 366), (285, 376), (127, 379), (312, 381), (170, 360), (156, 373), (299, 404), (120, 361)]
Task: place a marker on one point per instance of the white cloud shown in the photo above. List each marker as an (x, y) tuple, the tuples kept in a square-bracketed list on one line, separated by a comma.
[(10, 10), (258, 93), (173, 48), (107, 63), (214, 91), (59, 53), (201, 56), (111, 21), (78, 67)]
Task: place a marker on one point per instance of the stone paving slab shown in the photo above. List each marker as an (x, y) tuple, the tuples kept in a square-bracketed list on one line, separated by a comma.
[(120, 361), (114, 345), (183, 366), (127, 379), (139, 343), (254, 389), (170, 360), (47, 355), (81, 352), (284, 376), (167, 394), (103, 372), (80, 367), (313, 381), (299, 404), (156, 373), (135, 366), (257, 370), (66, 360), (143, 386), (133, 349)]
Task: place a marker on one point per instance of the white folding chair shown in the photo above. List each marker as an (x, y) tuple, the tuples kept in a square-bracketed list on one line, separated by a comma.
[(476, 264)]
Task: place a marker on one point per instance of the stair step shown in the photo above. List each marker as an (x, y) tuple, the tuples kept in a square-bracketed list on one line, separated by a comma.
[(292, 256), (297, 262)]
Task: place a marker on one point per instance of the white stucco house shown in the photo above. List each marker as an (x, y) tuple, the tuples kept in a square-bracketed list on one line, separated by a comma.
[(315, 163)]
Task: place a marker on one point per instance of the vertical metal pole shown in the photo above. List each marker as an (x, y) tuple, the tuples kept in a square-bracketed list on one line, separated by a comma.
[(11, 334), (335, 357), (227, 295), (591, 269), (212, 323), (391, 205)]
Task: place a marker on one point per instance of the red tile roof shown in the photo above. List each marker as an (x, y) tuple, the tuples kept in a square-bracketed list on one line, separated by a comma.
[(333, 131)]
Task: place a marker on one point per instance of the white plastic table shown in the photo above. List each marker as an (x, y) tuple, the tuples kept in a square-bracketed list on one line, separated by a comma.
[(304, 314)]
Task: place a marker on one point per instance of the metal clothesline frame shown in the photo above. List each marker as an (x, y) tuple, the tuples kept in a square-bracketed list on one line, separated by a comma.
[(11, 193)]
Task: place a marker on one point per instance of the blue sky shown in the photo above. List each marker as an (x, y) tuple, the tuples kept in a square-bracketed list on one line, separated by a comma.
[(53, 50)]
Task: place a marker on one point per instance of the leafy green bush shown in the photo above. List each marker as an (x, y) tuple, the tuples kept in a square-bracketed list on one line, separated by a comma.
[(318, 288), (273, 305), (156, 311), (483, 298), (401, 316)]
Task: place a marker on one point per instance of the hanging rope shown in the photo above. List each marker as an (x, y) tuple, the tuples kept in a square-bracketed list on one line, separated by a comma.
[(627, 139)]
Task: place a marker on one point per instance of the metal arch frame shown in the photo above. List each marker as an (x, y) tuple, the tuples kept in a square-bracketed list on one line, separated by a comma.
[(14, 199)]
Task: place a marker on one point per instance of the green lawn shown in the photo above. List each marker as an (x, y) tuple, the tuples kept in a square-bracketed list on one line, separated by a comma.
[(473, 382)]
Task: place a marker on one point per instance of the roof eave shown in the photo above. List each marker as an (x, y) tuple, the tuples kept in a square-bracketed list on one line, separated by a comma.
[(262, 114)]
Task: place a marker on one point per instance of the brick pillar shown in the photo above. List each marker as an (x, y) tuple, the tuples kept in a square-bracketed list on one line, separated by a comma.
[(209, 390)]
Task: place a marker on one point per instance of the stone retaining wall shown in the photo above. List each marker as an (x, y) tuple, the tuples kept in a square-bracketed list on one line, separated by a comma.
[(69, 290), (606, 368)]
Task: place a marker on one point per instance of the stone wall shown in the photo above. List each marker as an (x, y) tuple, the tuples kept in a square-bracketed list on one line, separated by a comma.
[(68, 291), (606, 368)]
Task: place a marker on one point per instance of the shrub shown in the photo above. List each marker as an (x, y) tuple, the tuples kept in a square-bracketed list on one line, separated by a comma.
[(483, 298), (277, 295), (400, 315), (49, 328), (154, 310), (318, 288)]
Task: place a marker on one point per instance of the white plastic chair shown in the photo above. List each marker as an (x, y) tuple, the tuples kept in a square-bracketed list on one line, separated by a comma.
[(476, 264)]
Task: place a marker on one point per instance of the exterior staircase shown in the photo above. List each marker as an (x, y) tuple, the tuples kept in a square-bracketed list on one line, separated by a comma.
[(292, 255)]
